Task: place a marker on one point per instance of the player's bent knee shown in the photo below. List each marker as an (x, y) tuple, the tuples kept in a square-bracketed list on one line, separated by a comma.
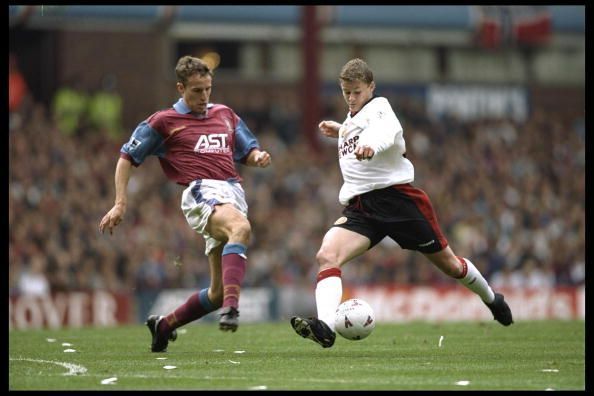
[(242, 231), (326, 258), (449, 267)]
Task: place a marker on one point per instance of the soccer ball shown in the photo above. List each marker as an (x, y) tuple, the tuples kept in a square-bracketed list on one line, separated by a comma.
[(354, 319)]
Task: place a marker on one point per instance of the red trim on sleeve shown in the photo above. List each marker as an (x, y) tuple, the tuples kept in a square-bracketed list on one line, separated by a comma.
[(129, 158), (328, 272)]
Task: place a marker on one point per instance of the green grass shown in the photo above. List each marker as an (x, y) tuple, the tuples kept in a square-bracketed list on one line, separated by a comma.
[(395, 356)]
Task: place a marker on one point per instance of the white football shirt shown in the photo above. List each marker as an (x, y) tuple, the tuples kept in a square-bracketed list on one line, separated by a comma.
[(376, 126)]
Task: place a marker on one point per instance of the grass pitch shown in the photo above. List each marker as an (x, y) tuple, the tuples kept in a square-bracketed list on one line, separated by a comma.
[(528, 355)]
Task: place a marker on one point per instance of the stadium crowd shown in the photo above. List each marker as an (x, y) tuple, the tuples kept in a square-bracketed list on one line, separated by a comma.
[(510, 195)]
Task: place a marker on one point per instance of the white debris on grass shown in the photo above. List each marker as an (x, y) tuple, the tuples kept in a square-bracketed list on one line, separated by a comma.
[(258, 387), (109, 381), (218, 350), (463, 383), (51, 339), (233, 362), (66, 344), (69, 350), (550, 370), (238, 351), (161, 358), (440, 340), (169, 367)]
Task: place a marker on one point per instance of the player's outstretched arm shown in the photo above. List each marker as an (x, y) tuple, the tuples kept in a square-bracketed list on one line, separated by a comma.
[(116, 214), (329, 128), (258, 158)]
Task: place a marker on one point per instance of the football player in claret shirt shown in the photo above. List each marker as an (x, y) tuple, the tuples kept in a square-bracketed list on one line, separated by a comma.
[(198, 143), (379, 201)]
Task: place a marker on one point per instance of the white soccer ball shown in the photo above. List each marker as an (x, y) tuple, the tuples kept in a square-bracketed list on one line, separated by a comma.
[(354, 319)]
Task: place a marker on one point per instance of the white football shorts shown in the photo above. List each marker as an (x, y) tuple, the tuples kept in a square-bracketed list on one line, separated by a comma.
[(201, 196)]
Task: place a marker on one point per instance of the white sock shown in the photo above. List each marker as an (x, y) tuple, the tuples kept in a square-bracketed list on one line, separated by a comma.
[(475, 281), (328, 295)]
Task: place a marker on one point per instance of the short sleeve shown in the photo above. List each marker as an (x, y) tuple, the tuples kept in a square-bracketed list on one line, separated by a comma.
[(144, 141), (245, 141)]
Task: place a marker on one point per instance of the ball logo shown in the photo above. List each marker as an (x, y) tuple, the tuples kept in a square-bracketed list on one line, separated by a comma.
[(347, 322), (368, 321)]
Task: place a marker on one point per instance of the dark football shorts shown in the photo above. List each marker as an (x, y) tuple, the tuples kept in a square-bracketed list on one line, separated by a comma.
[(402, 212)]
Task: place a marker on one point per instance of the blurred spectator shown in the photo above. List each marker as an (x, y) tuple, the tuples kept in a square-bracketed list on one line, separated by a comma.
[(18, 92), (105, 109), (33, 281), (69, 107), (507, 278), (151, 278), (17, 86), (578, 272), (533, 275)]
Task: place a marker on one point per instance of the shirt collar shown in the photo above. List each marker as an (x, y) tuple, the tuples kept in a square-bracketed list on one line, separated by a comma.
[(365, 104), (181, 107)]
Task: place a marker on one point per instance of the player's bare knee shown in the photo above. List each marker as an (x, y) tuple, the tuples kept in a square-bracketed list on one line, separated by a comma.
[(241, 232), (451, 269), (326, 258), (446, 262)]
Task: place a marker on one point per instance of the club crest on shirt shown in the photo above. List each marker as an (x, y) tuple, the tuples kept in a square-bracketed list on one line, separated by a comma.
[(228, 124)]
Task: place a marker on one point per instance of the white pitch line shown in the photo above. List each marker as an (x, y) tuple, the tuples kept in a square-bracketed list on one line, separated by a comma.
[(73, 369), (268, 380)]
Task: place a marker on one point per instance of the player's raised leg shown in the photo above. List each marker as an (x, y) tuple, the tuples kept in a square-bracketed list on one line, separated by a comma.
[(467, 274), (163, 328), (338, 247)]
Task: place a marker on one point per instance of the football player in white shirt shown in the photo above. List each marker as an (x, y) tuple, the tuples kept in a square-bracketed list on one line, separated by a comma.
[(379, 201)]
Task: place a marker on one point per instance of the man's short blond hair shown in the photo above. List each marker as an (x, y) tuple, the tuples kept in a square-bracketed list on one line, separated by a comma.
[(356, 70)]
